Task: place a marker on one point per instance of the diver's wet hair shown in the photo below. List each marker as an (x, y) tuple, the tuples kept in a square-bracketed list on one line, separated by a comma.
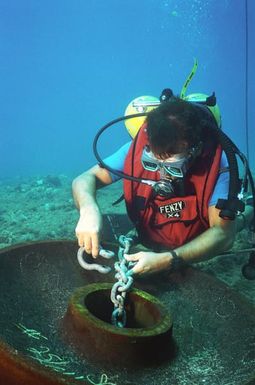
[(175, 126)]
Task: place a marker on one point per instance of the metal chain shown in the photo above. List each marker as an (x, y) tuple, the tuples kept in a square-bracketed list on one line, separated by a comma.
[(123, 276), (123, 284)]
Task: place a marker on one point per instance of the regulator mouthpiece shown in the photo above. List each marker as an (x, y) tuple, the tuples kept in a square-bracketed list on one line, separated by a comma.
[(164, 188)]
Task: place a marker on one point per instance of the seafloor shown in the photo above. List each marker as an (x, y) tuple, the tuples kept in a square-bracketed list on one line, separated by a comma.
[(42, 208)]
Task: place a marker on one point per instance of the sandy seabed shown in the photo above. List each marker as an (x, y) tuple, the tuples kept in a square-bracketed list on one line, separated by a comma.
[(42, 208)]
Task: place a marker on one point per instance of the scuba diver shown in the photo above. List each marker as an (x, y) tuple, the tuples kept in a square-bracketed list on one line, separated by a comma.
[(181, 184)]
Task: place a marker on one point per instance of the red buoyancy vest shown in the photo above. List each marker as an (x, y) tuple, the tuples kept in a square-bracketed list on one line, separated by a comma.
[(175, 221)]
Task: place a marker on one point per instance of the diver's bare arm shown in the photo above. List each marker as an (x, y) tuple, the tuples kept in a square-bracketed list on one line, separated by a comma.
[(85, 186), (89, 226), (215, 240)]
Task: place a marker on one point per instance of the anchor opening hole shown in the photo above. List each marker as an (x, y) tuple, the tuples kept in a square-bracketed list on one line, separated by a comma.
[(141, 312)]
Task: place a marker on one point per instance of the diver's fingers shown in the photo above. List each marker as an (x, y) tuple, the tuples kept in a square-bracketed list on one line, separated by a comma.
[(132, 257), (143, 265), (81, 239), (87, 244), (137, 268), (95, 245)]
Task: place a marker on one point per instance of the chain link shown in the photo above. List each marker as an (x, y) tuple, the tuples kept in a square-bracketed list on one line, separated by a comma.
[(123, 284)]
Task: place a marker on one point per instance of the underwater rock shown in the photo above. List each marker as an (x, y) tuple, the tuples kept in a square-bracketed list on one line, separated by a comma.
[(52, 180)]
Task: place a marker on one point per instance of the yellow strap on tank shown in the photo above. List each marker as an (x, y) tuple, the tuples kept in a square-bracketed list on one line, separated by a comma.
[(188, 80)]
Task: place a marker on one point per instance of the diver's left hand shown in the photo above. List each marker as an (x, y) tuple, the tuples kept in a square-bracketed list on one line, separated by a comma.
[(149, 262)]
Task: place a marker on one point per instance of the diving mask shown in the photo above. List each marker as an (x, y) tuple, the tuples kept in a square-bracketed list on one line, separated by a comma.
[(175, 166)]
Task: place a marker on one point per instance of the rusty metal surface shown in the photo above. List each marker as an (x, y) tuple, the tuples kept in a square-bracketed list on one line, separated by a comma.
[(87, 326), (213, 325)]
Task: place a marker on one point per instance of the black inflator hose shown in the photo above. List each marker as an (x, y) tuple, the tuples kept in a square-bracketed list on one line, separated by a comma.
[(229, 207)]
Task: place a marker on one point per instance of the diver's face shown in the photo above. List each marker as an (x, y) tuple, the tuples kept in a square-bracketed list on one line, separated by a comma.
[(170, 166), (173, 166)]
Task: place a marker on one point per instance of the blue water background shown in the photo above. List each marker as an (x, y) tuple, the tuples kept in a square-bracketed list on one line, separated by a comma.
[(70, 66)]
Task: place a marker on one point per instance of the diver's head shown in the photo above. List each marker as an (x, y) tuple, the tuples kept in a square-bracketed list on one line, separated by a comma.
[(175, 139), (175, 136), (173, 128)]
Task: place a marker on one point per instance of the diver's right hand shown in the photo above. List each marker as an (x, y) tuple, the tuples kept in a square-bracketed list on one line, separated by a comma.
[(88, 230)]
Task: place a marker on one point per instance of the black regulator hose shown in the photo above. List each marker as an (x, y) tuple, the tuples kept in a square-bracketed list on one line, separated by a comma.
[(99, 159)]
